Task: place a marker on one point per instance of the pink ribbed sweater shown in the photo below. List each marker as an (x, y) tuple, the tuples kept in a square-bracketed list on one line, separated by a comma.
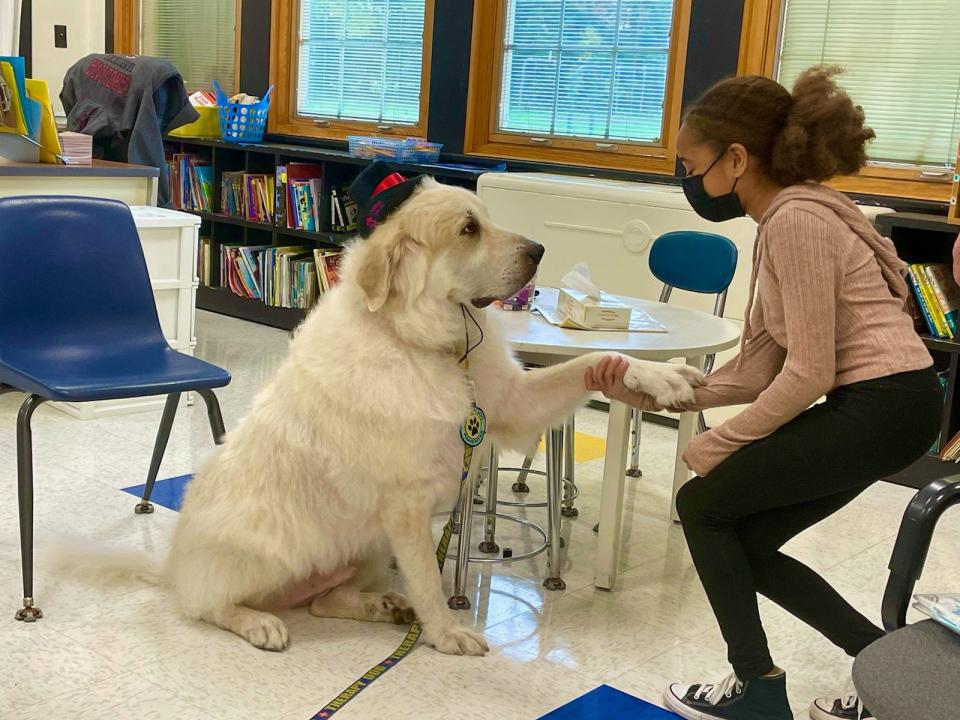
[(826, 309)]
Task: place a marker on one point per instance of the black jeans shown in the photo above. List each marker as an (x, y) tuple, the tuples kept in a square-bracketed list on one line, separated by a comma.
[(738, 517)]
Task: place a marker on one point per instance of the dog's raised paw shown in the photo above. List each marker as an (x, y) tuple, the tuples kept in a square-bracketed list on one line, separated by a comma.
[(457, 640), (267, 632)]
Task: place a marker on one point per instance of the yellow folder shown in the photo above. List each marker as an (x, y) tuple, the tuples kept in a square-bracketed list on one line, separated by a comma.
[(13, 97), (37, 90)]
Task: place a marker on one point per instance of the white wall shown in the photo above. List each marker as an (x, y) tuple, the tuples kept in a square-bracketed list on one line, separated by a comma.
[(86, 30), (9, 27)]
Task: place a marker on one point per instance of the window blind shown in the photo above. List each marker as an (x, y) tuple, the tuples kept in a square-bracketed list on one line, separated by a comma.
[(592, 69), (361, 60), (903, 67), (198, 37)]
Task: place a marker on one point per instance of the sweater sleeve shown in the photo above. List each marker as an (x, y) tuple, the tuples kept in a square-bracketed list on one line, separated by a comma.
[(742, 379), (805, 261)]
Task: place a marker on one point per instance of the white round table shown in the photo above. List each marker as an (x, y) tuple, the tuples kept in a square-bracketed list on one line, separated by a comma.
[(690, 335)]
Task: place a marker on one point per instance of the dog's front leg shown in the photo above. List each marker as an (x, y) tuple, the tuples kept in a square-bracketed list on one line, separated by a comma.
[(406, 519), (533, 400)]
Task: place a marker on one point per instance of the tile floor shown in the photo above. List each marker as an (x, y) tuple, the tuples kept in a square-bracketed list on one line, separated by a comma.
[(123, 653)]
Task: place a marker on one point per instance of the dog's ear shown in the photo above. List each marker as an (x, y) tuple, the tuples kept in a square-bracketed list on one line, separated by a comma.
[(395, 264)]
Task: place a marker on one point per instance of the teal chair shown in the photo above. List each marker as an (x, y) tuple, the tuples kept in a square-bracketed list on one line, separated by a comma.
[(694, 261)]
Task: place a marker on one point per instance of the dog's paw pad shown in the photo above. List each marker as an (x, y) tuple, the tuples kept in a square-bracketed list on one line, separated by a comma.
[(398, 608), (458, 640)]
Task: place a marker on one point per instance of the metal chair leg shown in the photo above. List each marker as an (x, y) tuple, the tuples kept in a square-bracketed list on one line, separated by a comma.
[(636, 424), (554, 501), (27, 613), (145, 507), (701, 423), (520, 486), (569, 465), (214, 415), (489, 544), (459, 600)]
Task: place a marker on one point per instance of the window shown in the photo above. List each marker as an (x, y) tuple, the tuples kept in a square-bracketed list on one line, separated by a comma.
[(198, 37), (902, 65), (348, 66), (589, 82)]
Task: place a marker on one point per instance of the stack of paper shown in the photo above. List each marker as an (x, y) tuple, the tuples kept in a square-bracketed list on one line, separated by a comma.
[(77, 148)]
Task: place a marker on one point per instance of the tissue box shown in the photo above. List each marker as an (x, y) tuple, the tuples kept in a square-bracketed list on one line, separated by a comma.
[(603, 314)]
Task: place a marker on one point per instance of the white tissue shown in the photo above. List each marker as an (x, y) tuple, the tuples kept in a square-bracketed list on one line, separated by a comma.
[(578, 278)]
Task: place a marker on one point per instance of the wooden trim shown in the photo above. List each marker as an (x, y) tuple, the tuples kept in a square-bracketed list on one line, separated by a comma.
[(891, 182), (482, 136), (283, 73), (126, 30), (759, 37)]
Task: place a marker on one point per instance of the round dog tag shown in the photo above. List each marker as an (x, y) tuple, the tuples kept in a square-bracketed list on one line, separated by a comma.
[(474, 427)]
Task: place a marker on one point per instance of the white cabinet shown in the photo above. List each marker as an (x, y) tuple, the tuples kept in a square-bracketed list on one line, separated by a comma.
[(169, 241)]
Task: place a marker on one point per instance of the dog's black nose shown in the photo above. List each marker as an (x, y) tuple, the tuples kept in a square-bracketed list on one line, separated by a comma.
[(535, 252)]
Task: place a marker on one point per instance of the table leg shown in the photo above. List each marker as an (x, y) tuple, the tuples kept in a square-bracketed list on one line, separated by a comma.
[(611, 496), (685, 433)]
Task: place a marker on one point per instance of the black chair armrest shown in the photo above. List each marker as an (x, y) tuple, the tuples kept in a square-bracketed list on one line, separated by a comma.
[(913, 542)]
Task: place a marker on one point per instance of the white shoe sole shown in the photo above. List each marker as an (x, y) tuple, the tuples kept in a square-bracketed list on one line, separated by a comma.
[(678, 707), (818, 713)]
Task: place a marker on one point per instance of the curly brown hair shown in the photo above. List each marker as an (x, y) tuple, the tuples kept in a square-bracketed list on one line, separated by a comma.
[(811, 134)]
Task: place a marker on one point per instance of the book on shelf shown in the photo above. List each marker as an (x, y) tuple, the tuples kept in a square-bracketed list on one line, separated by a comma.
[(938, 298), (191, 182), (344, 213), (303, 182), (946, 292), (328, 268), (248, 195), (203, 261), (944, 379)]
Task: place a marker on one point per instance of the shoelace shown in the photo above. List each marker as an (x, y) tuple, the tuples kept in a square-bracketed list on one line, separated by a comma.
[(713, 694), (852, 701)]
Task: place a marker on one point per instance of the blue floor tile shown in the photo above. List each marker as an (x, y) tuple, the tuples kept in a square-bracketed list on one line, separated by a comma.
[(168, 493), (608, 703)]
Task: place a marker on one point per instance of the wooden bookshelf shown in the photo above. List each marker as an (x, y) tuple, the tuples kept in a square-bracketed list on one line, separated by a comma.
[(339, 168), (928, 238)]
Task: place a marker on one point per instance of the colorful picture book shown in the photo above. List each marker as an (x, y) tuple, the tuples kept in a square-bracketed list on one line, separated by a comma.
[(938, 298), (247, 195), (191, 182)]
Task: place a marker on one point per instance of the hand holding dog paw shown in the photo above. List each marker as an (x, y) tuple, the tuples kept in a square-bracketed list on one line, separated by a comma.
[(671, 386), (608, 377)]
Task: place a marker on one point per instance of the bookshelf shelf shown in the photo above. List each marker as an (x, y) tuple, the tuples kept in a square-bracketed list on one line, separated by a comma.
[(941, 344), (222, 301), (338, 169), (927, 238)]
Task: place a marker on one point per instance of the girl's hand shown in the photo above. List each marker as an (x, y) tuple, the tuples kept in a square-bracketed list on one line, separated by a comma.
[(607, 377)]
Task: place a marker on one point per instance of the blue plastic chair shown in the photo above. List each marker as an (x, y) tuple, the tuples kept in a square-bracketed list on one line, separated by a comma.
[(79, 323), (697, 262)]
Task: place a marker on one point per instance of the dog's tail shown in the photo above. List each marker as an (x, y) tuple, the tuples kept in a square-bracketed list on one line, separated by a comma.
[(98, 565)]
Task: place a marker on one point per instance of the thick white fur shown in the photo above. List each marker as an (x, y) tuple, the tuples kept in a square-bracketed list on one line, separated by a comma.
[(348, 451)]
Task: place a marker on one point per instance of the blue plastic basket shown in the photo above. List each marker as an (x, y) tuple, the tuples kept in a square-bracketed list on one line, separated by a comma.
[(242, 123)]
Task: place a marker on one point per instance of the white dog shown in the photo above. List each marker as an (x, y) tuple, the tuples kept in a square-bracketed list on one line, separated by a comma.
[(350, 449)]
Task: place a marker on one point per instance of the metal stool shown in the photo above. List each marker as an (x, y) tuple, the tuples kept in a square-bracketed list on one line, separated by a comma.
[(463, 524), (570, 490)]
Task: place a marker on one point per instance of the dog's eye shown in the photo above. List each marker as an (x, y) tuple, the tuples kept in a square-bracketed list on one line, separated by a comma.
[(471, 228)]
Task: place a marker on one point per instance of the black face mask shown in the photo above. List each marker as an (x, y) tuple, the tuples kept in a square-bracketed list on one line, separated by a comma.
[(714, 209)]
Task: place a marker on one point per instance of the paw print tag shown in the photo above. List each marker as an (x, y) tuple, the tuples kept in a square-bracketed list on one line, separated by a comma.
[(474, 427)]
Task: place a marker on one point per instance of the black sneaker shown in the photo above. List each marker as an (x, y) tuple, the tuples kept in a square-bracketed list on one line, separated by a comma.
[(847, 707), (763, 698)]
